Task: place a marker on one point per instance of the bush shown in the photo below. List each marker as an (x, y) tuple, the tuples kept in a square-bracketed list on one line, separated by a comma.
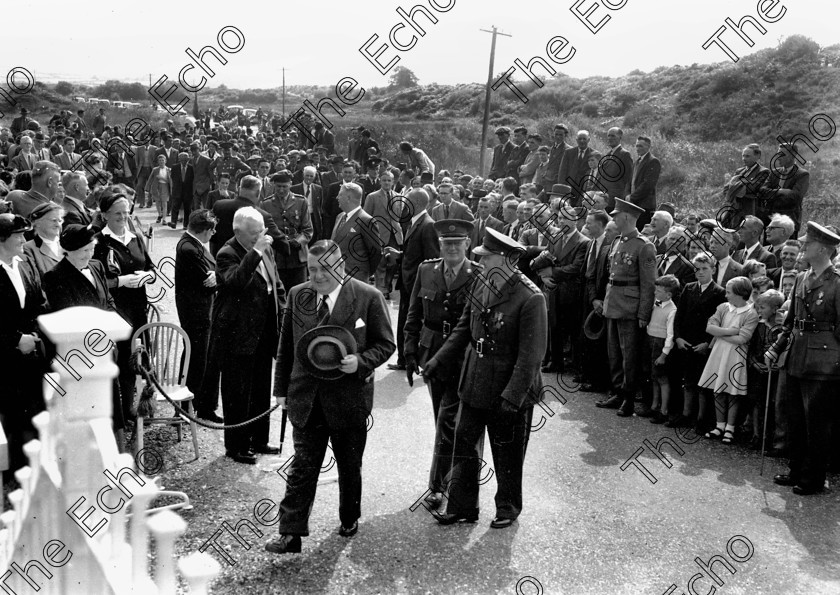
[(590, 108), (64, 88)]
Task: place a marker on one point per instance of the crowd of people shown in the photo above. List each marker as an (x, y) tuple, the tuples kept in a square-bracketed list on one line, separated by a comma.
[(292, 251)]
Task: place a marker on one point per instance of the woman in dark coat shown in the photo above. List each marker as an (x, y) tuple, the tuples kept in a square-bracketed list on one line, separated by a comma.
[(77, 280), (128, 268), (43, 251)]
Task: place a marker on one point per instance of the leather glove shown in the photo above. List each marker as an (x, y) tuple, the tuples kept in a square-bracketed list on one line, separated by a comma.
[(430, 371), (294, 244), (411, 368)]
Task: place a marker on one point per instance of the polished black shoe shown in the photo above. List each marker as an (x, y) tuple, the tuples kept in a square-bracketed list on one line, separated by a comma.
[(434, 500), (171, 224), (211, 417), (500, 523), (397, 366), (349, 531), (808, 489), (285, 544), (785, 480), (626, 409), (267, 449), (452, 518), (242, 457), (611, 403), (645, 411), (658, 418)]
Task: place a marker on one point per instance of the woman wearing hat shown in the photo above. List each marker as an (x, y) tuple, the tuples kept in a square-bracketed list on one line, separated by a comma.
[(77, 280), (128, 268), (159, 187), (43, 251)]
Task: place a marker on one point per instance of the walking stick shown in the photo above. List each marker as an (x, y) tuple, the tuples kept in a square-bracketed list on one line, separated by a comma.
[(766, 415), (283, 426)]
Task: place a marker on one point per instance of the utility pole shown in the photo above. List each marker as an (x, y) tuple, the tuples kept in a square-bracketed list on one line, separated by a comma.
[(487, 97), (284, 93)]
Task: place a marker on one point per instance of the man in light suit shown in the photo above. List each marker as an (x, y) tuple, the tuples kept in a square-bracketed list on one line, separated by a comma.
[(26, 159), (387, 210), (314, 195), (144, 158), (448, 208), (357, 234), (203, 176), (244, 332), (328, 410), (68, 159), (421, 243), (575, 166), (646, 170)]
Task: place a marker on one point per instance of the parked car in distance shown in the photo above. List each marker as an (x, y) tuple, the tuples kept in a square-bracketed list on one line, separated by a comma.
[(80, 100)]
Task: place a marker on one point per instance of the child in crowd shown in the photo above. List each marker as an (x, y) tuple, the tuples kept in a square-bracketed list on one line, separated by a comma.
[(725, 374), (754, 269), (697, 303), (769, 327), (760, 285), (660, 342)]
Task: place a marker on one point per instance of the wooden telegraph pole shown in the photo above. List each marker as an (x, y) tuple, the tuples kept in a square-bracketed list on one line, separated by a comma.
[(487, 97)]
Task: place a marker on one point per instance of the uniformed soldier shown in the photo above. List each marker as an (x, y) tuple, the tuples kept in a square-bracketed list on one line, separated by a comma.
[(228, 164), (437, 300), (291, 214), (812, 337), (503, 329), (628, 305)]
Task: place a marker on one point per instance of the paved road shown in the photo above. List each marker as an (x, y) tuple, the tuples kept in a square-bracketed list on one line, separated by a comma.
[(587, 527)]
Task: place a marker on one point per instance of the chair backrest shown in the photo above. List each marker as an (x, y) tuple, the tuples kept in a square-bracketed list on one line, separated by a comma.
[(169, 350), (152, 313)]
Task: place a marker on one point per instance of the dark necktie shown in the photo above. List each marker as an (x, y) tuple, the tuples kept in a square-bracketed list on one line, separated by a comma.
[(449, 277), (446, 211), (593, 256), (657, 303), (323, 311)]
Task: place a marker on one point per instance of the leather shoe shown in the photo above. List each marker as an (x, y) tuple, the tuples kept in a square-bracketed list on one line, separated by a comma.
[(399, 367), (645, 411), (212, 417), (807, 489), (171, 224), (434, 500), (452, 518), (285, 544), (626, 409), (611, 403), (784, 479), (500, 523), (247, 458), (677, 422), (267, 449), (349, 531)]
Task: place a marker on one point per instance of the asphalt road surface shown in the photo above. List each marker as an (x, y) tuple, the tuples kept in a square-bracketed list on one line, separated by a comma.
[(587, 526)]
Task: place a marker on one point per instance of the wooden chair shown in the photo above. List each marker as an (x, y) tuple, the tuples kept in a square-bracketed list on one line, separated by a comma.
[(168, 346), (152, 313)]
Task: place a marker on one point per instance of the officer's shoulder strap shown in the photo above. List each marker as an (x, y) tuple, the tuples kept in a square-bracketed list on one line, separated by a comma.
[(432, 260), (528, 283)]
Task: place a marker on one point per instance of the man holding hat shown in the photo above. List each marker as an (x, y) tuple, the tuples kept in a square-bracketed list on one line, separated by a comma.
[(628, 304), (21, 363), (503, 330), (438, 298), (291, 213), (336, 331), (811, 336)]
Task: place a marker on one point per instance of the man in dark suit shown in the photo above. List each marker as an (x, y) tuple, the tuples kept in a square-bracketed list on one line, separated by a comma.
[(245, 331), (786, 187), (501, 154), (575, 166), (421, 243), (325, 138), (314, 195), (672, 260), (195, 286), (323, 410), (751, 232), (615, 169), (334, 175), (331, 208), (741, 193), (357, 234), (560, 267), (448, 208), (555, 158), (502, 330), (204, 170), (68, 159), (120, 164), (483, 221), (646, 170), (20, 123), (75, 186), (21, 363), (224, 211), (518, 154), (720, 245), (220, 192), (370, 183), (182, 190)]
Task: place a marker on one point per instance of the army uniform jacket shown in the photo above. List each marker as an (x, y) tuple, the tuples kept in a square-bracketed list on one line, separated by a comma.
[(812, 328), (504, 341), (292, 218), (632, 262), (434, 312)]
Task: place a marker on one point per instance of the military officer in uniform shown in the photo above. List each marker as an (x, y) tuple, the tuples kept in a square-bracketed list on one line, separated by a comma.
[(228, 164), (811, 336), (437, 301), (628, 305), (291, 214), (503, 329)]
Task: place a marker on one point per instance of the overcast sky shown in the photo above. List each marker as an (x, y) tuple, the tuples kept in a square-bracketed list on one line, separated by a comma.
[(318, 42)]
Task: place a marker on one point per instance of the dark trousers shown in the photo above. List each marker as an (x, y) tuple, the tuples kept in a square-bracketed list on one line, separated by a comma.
[(200, 199), (644, 219), (199, 333), (348, 445), (624, 348), (781, 434), (445, 405), (509, 433), (809, 409), (246, 392), (179, 202), (140, 187), (292, 277), (402, 314)]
